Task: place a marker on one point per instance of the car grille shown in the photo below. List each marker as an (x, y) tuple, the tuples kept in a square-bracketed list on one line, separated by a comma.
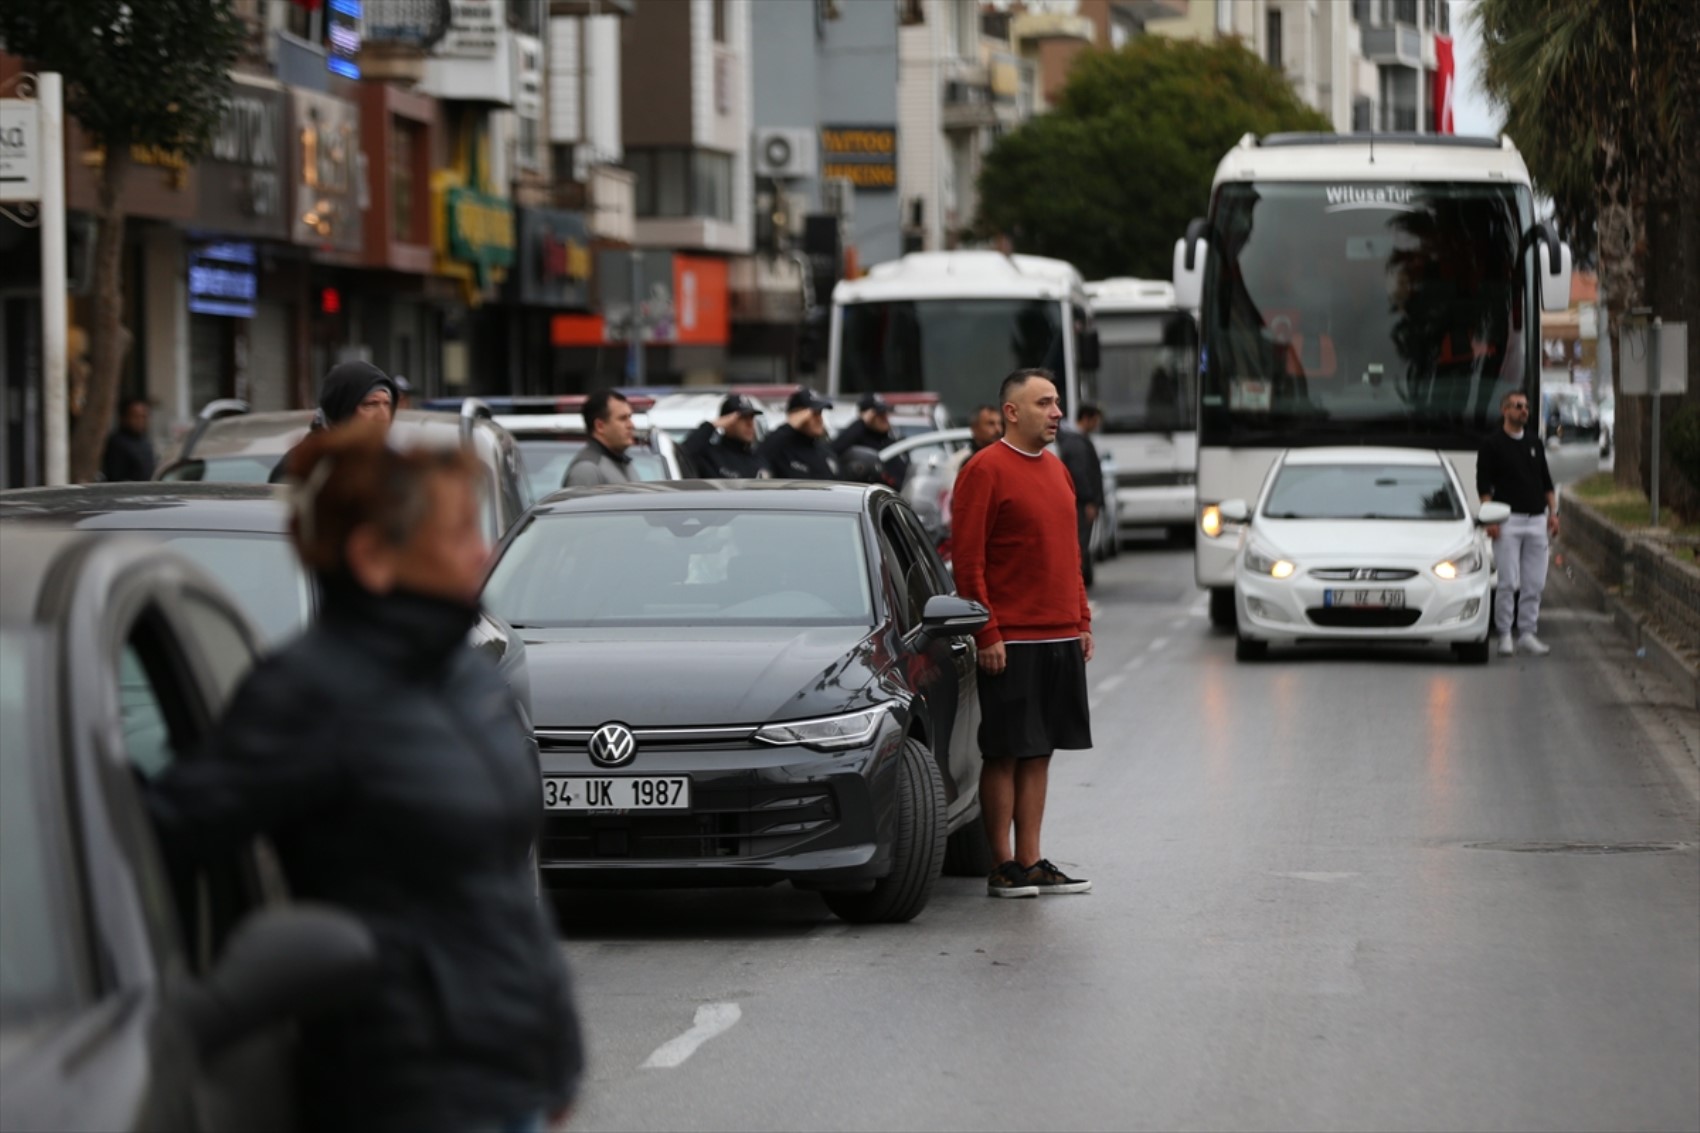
[(723, 823), (578, 739), (1362, 617), (1362, 574), (1154, 479)]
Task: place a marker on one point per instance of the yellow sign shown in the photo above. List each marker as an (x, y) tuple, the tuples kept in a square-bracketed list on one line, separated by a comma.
[(865, 156), (859, 140), (863, 174)]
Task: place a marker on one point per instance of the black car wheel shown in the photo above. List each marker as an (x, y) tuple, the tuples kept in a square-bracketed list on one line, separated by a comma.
[(1246, 649), (1473, 652), (1222, 612), (968, 852), (917, 851)]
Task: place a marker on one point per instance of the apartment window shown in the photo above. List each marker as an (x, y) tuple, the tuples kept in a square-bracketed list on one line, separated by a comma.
[(1429, 20), (681, 183), (1445, 14), (1363, 115), (526, 18), (720, 21), (1360, 11), (1272, 30), (1405, 11), (1225, 17), (911, 12)]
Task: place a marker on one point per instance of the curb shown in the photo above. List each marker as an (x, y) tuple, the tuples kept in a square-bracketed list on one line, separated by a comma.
[(1642, 637)]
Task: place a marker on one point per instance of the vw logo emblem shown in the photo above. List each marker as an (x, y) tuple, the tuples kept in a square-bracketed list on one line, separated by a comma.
[(612, 745)]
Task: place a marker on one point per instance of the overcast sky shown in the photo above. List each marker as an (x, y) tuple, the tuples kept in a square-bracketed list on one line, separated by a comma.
[(1472, 113)]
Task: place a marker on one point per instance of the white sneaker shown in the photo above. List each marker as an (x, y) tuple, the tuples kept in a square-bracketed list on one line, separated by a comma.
[(1506, 646), (1533, 646)]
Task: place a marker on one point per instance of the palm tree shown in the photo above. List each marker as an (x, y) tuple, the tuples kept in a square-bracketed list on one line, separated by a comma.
[(1603, 99)]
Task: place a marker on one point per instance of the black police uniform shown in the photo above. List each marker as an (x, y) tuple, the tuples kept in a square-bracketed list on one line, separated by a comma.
[(719, 457), (793, 455)]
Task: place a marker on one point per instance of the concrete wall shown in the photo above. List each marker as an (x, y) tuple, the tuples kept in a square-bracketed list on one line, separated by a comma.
[(844, 75)]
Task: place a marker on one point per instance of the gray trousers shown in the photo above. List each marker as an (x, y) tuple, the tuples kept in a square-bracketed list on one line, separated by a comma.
[(1520, 552)]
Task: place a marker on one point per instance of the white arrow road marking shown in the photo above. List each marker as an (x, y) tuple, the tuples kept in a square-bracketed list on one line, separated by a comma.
[(712, 1019), (1302, 875)]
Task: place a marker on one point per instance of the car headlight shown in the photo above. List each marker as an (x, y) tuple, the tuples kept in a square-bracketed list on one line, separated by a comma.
[(827, 733), (1467, 562), (1260, 559)]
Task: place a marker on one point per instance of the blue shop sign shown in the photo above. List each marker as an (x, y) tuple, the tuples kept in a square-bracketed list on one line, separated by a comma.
[(223, 279)]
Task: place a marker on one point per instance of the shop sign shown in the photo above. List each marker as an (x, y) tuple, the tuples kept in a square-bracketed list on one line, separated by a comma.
[(20, 150), (480, 230), (475, 28), (222, 280), (242, 176), (682, 299), (416, 23), (554, 258), (865, 156), (327, 156), (342, 38)]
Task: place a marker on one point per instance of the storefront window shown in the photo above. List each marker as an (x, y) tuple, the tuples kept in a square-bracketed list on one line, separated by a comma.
[(404, 145)]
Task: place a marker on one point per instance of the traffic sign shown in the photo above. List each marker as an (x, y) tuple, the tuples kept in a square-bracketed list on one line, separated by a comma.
[(20, 150)]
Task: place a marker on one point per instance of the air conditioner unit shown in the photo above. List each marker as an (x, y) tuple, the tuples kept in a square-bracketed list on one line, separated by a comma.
[(785, 153)]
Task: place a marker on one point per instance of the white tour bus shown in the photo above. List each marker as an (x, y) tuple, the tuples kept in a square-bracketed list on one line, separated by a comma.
[(1148, 361), (1358, 289), (955, 323)]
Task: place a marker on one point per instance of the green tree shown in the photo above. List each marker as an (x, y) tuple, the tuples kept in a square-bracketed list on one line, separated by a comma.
[(1109, 179), (149, 74), (1603, 100)]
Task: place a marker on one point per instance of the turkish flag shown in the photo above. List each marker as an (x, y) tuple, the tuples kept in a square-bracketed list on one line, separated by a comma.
[(1444, 73)]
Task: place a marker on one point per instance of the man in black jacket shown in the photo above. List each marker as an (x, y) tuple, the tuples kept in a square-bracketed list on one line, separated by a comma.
[(129, 453), (1512, 468), (1086, 468), (724, 449), (797, 450), (872, 429)]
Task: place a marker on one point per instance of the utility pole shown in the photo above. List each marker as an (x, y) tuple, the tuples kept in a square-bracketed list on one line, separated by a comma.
[(635, 325)]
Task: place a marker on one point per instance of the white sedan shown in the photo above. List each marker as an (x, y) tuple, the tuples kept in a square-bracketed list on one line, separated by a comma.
[(1364, 544)]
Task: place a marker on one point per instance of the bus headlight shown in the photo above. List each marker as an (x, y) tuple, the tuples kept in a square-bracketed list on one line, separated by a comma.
[(1210, 521)]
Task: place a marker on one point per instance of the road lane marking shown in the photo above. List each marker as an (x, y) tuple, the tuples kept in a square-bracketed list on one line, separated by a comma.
[(711, 1019), (1133, 664), (1303, 875), (1156, 644), (1111, 681)]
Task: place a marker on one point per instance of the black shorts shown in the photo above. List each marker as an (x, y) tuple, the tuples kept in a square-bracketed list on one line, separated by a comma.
[(1037, 705)]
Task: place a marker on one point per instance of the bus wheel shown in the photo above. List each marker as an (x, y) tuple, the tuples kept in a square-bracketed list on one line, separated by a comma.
[(1222, 614)]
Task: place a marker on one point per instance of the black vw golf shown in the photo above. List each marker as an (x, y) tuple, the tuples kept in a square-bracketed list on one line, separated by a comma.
[(744, 683)]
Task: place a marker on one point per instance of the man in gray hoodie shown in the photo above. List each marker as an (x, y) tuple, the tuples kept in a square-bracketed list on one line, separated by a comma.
[(603, 459)]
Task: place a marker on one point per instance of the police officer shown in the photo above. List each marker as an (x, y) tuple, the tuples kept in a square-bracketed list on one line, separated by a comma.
[(797, 450), (725, 448), (872, 429)]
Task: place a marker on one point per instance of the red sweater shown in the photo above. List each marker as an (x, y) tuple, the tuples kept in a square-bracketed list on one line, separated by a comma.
[(1016, 546)]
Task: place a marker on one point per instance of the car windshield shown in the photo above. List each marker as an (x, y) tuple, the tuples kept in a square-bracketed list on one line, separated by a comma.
[(546, 462), (1145, 377), (1397, 311), (38, 973), (261, 573), (1362, 491), (946, 346), (676, 568)]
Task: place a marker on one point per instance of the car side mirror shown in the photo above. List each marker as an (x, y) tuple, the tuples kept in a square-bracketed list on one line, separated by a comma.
[(1233, 511), (279, 964), (946, 615), (1555, 268), (1492, 513)]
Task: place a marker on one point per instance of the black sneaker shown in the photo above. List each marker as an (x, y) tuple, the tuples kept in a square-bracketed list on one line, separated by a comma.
[(1010, 880), (1047, 880)]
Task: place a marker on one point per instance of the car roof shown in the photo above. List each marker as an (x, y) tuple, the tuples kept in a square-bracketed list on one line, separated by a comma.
[(531, 426), (273, 434), (671, 495), (1362, 454), (150, 506)]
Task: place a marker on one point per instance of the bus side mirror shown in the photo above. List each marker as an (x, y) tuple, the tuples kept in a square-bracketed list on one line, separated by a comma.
[(1091, 353), (1552, 259), (1190, 254)]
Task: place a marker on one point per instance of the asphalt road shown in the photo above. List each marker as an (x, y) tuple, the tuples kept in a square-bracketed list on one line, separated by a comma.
[(1336, 890)]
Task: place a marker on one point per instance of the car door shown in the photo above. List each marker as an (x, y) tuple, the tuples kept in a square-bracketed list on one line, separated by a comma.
[(964, 743), (929, 664)]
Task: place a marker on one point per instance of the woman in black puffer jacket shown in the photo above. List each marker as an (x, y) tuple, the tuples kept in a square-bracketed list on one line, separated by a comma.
[(393, 772)]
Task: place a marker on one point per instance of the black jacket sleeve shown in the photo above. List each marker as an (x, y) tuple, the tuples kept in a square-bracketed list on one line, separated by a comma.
[(1484, 468), (259, 770), (698, 446)]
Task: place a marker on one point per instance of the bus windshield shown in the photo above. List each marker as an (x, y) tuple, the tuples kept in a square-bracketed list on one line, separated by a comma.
[(959, 349), (1144, 382), (1396, 313)]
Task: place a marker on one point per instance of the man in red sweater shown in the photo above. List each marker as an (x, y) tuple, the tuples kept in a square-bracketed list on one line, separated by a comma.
[(1017, 553)]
